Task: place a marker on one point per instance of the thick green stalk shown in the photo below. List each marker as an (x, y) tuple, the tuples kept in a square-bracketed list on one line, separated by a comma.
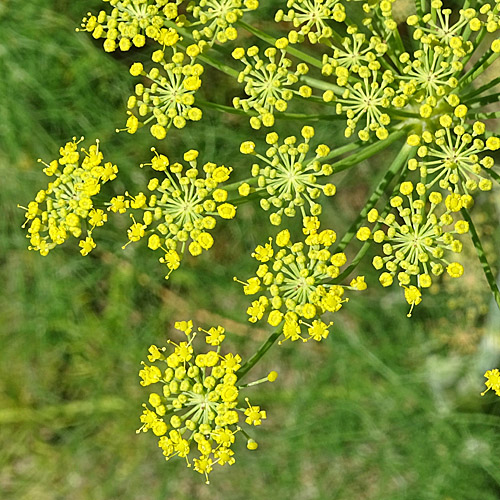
[(221, 107), (343, 149), (482, 101), (481, 65), (219, 65), (488, 273), (418, 8), (354, 263), (291, 50), (398, 163), (285, 116), (494, 175), (481, 89), (362, 251), (235, 185), (486, 116), (302, 116), (367, 151), (400, 48), (241, 200), (262, 350), (321, 84), (477, 41)]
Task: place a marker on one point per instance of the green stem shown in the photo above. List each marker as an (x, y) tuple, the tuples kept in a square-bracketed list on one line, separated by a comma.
[(477, 41), (241, 200), (494, 175), (271, 41), (367, 152), (353, 263), (482, 257), (482, 101), (262, 350), (402, 157), (235, 185), (343, 149), (400, 48), (322, 85), (219, 65), (481, 89), (221, 107), (486, 116), (481, 65), (285, 116), (301, 116), (361, 253), (418, 8)]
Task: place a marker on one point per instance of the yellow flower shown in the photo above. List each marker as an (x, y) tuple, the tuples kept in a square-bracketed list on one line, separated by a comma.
[(87, 245), (226, 211), (492, 382), (295, 283), (289, 177), (181, 208), (197, 409), (414, 247), (66, 207), (254, 415)]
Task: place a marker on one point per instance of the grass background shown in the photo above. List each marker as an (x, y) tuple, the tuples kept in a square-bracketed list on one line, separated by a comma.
[(386, 408)]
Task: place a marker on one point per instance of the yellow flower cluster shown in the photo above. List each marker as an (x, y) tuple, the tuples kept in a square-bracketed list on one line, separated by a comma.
[(381, 12), (128, 24), (289, 175), (492, 381), (131, 22), (366, 91), (353, 51), (216, 18), (268, 82), (450, 157), (432, 71), (295, 282), (414, 244), (198, 407), (66, 208), (312, 18), (169, 100), (181, 209)]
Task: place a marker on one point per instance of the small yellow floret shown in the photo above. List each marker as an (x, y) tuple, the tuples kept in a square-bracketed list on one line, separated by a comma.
[(455, 270), (136, 69), (247, 147), (363, 233), (226, 211)]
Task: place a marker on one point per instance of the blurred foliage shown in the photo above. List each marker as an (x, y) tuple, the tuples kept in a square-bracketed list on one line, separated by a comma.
[(379, 411)]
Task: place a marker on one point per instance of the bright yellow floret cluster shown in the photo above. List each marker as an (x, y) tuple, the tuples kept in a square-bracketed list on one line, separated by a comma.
[(453, 156), (287, 176), (387, 82), (214, 19), (312, 18), (268, 82), (295, 282), (169, 100), (492, 381), (66, 207), (197, 407), (417, 239), (132, 22), (181, 209)]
